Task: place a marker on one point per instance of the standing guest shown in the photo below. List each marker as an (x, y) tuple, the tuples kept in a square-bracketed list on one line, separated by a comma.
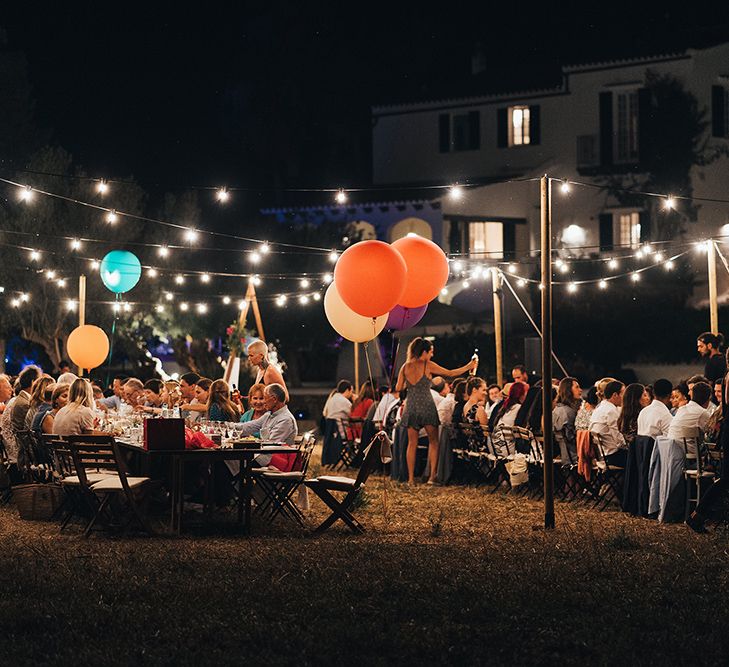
[(679, 396), (38, 398), (360, 407), (507, 411), (635, 398), (22, 404), (339, 404), (655, 418), (256, 408), (267, 373), (439, 388), (420, 412), (77, 417), (519, 374), (220, 407), (43, 423), (604, 422), (494, 394), (569, 395), (709, 346), (690, 420), (448, 404), (114, 402), (6, 391)]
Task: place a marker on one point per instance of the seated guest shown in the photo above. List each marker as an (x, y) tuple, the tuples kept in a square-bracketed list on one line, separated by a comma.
[(448, 404), (691, 419), (220, 407), (600, 386), (635, 398), (38, 399), (198, 407), (134, 393), (604, 422), (379, 393), (171, 394), (6, 391), (494, 393), (473, 411), (153, 398), (715, 411), (655, 418), (188, 385), (360, 407), (507, 411), (439, 389), (695, 379), (22, 404), (679, 396), (43, 422), (113, 402), (66, 378), (339, 404), (569, 395), (529, 414), (519, 374), (256, 407), (460, 397), (389, 400), (77, 417)]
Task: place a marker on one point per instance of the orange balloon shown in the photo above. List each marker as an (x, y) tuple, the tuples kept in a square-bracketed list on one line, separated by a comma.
[(427, 270), (370, 277), (88, 346)]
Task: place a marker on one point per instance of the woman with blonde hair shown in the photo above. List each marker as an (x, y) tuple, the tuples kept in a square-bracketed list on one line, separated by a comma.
[(220, 407), (255, 403), (38, 399), (78, 416), (59, 398)]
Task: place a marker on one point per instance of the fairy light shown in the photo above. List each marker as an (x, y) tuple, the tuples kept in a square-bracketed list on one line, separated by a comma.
[(341, 196), (226, 300), (455, 192), (558, 263), (112, 217), (670, 203), (647, 248), (254, 257), (61, 282), (34, 255), (205, 278), (328, 277), (222, 195), (75, 244), (303, 299), (179, 279), (25, 297), (265, 248), (658, 257), (169, 296), (305, 283), (572, 287), (635, 277), (184, 307), (316, 296), (26, 194), (613, 264), (281, 300), (458, 266), (242, 304), (159, 308), (511, 269), (564, 268), (127, 307), (191, 235), (15, 303), (521, 282), (202, 308), (256, 280), (94, 264), (565, 187), (639, 253), (602, 284), (50, 274), (466, 284), (163, 251), (102, 187), (669, 265), (152, 273)]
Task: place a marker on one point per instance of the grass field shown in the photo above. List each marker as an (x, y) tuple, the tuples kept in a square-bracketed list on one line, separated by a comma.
[(444, 575)]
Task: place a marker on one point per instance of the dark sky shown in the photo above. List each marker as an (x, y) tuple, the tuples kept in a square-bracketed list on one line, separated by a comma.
[(279, 93)]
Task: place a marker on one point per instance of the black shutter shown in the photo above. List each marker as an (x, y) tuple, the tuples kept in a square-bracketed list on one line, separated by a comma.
[(645, 114), (474, 130), (535, 135), (454, 237), (444, 132), (718, 100), (645, 226), (502, 128), (606, 231), (509, 240), (606, 129)]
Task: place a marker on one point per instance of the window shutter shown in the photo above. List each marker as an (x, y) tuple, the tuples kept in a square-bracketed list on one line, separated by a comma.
[(645, 226), (474, 130), (535, 136), (502, 129), (606, 129), (444, 132), (455, 237), (509, 240), (606, 231), (718, 100), (645, 114)]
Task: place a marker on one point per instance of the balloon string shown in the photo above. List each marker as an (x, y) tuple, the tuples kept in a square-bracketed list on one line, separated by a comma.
[(385, 505), (111, 342), (395, 349)]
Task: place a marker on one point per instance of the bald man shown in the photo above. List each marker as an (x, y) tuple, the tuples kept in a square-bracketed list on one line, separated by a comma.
[(267, 374)]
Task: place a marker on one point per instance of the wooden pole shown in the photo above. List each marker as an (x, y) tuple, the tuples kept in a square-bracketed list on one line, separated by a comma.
[(249, 301), (713, 305), (498, 324), (81, 309), (356, 367), (546, 282)]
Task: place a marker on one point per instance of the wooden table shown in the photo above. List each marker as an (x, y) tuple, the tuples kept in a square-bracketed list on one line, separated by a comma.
[(179, 457)]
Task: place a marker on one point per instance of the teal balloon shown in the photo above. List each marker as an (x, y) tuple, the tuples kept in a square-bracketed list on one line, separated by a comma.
[(120, 271)]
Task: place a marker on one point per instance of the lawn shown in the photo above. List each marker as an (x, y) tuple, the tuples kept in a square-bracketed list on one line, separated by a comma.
[(449, 575)]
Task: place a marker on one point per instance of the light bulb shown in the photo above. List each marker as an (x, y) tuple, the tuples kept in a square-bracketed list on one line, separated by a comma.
[(658, 257), (202, 308), (242, 304), (191, 236), (613, 264), (179, 279), (444, 291), (572, 287), (159, 308), (455, 192), (254, 257), (61, 282), (639, 254), (116, 307), (669, 265), (333, 256), (328, 277), (265, 248), (316, 296), (71, 304), (635, 277), (15, 303), (50, 275), (602, 284), (565, 187), (94, 265), (564, 268), (341, 196), (520, 282), (184, 307), (256, 280), (127, 307), (152, 273), (222, 195), (25, 297), (102, 187), (34, 255), (163, 251), (169, 296), (512, 268), (75, 244), (112, 217), (458, 265), (670, 203), (226, 300), (466, 284), (26, 194), (303, 299), (205, 278), (304, 283)]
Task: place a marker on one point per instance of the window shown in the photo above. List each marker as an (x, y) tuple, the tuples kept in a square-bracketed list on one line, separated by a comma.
[(459, 131), (486, 240), (629, 229), (720, 111), (626, 135), (519, 126)]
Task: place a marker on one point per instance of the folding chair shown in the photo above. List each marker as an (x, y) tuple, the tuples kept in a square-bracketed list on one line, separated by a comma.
[(341, 509), (348, 451), (570, 481), (34, 461), (609, 477), (695, 478), (5, 483)]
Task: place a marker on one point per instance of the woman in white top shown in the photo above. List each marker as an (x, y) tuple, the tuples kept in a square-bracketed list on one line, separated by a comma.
[(77, 417), (507, 410)]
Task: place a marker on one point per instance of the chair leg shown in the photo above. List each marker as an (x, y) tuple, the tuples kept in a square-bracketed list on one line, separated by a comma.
[(99, 511)]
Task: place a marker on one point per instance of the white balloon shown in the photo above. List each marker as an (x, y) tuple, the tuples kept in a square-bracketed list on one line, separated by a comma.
[(347, 323)]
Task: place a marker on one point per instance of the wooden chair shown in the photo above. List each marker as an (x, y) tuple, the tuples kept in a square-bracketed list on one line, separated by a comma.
[(324, 485), (609, 476), (695, 478), (5, 482)]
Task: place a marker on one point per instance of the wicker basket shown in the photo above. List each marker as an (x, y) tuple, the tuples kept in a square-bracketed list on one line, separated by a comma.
[(37, 502)]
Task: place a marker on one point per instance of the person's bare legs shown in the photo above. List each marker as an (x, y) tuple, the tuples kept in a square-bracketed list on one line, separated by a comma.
[(432, 432), (412, 453)]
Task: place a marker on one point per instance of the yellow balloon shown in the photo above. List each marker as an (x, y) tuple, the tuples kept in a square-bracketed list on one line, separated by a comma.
[(88, 346), (347, 323)]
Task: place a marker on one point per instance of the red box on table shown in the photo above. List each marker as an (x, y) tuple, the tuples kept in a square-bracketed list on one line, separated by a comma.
[(164, 434)]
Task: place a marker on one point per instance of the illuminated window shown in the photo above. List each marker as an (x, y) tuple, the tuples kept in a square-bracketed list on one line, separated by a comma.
[(630, 230), (519, 126), (486, 240)]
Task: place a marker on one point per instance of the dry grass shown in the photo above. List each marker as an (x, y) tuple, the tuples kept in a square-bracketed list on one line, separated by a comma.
[(443, 575)]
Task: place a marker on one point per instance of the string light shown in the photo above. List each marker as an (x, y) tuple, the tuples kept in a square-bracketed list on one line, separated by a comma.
[(116, 307), (572, 287), (94, 265), (265, 248), (184, 307), (50, 274), (226, 300), (303, 299), (602, 284), (639, 253), (341, 196), (511, 269), (112, 217), (670, 203), (191, 235), (34, 255), (179, 279), (658, 257), (564, 268), (455, 192), (242, 304), (305, 283), (333, 256), (25, 297), (152, 273), (565, 187), (205, 278), (328, 277), (102, 187), (222, 195), (159, 308), (647, 249), (169, 296), (635, 277), (613, 264), (75, 244), (316, 296), (26, 194), (669, 265), (281, 300), (520, 282), (256, 280), (163, 251), (254, 257), (202, 308), (558, 263), (127, 307), (15, 303), (61, 282)]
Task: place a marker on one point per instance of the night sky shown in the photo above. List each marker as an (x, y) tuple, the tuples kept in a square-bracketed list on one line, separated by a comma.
[(278, 94)]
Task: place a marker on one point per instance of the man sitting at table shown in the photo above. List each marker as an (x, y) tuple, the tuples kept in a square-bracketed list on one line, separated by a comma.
[(691, 419)]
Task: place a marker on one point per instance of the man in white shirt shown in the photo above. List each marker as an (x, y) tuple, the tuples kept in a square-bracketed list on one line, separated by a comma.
[(339, 404), (387, 402), (604, 422), (655, 419), (691, 419), (439, 389)]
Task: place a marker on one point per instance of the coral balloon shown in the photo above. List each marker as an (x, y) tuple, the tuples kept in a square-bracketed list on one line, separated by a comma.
[(120, 271), (401, 318), (88, 346), (427, 270), (370, 277), (346, 322)]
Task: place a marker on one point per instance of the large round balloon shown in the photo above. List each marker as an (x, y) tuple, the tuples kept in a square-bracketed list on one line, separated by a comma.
[(88, 346), (346, 322), (370, 277), (120, 271), (427, 270), (401, 318)]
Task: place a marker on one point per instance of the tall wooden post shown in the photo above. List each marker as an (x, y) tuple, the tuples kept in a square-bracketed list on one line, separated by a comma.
[(546, 282), (713, 305), (356, 367), (498, 294), (81, 309), (249, 301)]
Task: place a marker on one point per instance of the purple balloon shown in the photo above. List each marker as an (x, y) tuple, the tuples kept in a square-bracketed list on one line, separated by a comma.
[(401, 318)]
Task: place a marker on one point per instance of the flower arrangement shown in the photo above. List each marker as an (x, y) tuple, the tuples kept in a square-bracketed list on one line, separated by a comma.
[(238, 338)]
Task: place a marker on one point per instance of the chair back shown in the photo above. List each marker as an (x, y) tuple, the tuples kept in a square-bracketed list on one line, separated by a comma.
[(503, 442), (370, 462), (597, 447), (94, 454)]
